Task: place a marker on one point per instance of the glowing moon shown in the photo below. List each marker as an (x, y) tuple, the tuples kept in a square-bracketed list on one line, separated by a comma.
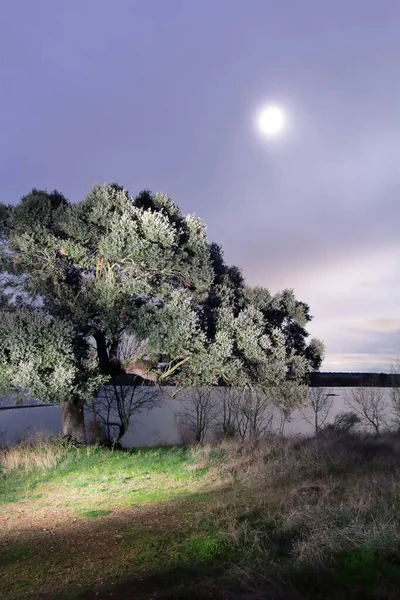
[(272, 121)]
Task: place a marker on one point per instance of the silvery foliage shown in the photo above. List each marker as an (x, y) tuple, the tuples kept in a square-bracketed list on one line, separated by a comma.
[(42, 357), (115, 264), (100, 257), (107, 264)]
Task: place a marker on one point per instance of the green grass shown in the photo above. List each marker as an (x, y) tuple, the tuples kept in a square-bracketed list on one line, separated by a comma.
[(355, 574), (168, 550), (283, 519), (92, 514), (97, 475), (91, 483)]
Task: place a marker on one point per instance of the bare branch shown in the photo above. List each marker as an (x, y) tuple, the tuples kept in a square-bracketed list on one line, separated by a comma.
[(244, 412), (370, 404), (116, 405), (320, 403), (199, 412)]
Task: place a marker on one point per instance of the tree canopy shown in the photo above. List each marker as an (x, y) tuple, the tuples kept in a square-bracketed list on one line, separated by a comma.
[(91, 273), (48, 357)]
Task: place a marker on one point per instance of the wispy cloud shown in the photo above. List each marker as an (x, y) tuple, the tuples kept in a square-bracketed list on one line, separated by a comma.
[(382, 325), (359, 363)]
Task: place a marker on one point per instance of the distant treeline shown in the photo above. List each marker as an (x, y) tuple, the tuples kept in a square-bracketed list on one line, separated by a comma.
[(353, 380)]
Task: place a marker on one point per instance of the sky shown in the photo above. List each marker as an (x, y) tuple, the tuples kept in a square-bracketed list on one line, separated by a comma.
[(164, 94)]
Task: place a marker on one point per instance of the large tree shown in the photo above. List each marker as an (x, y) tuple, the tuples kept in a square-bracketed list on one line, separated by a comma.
[(100, 264), (113, 266)]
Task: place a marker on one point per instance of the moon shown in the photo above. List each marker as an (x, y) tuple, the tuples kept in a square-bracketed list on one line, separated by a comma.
[(272, 121)]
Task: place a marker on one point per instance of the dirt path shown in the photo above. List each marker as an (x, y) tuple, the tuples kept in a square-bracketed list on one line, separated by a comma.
[(57, 554)]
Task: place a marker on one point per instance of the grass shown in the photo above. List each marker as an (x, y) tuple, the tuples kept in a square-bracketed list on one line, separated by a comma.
[(289, 519), (92, 477), (14, 554), (92, 514)]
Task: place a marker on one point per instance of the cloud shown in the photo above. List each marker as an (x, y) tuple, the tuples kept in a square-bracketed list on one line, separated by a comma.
[(382, 325), (363, 363), (356, 306)]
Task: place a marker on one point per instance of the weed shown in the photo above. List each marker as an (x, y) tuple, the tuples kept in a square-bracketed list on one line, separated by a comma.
[(92, 514), (202, 549)]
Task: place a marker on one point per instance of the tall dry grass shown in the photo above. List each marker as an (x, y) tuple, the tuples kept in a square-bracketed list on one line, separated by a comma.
[(303, 500), (38, 452)]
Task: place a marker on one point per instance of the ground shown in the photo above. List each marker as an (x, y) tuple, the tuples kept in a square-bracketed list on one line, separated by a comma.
[(225, 522), (99, 516)]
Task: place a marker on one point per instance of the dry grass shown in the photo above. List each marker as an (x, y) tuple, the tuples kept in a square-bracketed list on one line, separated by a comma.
[(38, 452), (286, 511), (305, 500)]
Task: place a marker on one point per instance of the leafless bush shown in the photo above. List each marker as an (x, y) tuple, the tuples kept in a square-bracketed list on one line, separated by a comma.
[(248, 413), (243, 413), (116, 406), (198, 414), (226, 421), (345, 422), (320, 402), (370, 404), (254, 414)]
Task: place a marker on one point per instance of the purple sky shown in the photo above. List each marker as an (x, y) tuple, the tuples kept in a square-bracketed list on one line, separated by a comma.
[(162, 94)]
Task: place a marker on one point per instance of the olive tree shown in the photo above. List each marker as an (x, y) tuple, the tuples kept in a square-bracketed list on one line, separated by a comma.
[(114, 265), (103, 264)]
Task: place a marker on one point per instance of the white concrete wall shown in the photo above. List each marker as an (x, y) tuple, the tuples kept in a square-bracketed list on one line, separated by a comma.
[(158, 426)]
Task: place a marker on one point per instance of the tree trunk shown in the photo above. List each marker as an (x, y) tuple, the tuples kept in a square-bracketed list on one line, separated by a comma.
[(316, 424), (102, 353), (107, 355), (121, 432), (113, 354), (73, 424)]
